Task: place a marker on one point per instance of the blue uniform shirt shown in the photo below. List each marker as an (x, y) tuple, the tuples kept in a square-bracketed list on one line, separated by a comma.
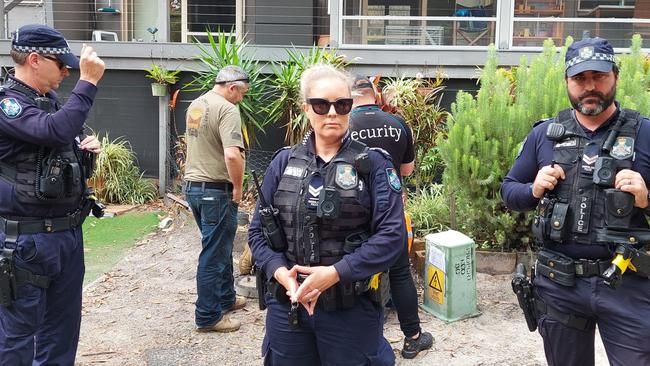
[(387, 222), (24, 127), (537, 152)]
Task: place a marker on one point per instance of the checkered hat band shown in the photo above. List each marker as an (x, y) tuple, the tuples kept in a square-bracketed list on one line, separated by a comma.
[(51, 50), (594, 57)]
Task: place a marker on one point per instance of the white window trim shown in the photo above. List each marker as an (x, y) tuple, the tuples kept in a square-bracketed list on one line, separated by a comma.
[(240, 7)]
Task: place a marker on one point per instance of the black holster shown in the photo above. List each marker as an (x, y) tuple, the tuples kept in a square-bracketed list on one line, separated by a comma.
[(7, 277), (523, 288), (260, 285)]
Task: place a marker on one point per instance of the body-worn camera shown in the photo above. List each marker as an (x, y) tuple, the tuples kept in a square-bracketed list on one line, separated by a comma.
[(87, 160), (329, 203), (605, 171), (52, 182)]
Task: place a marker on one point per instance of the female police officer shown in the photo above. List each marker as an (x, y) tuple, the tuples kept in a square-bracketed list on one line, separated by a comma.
[(341, 214)]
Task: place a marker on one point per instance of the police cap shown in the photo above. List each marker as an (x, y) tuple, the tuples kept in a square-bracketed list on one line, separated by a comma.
[(589, 54), (45, 40)]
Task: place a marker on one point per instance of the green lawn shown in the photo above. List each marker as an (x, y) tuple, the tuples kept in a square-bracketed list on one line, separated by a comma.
[(106, 239)]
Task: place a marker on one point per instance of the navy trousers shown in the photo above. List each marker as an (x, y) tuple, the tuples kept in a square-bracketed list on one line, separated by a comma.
[(216, 215), (622, 316), (342, 337), (42, 326)]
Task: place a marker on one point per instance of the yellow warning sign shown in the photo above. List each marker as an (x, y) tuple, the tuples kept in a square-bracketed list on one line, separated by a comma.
[(435, 281)]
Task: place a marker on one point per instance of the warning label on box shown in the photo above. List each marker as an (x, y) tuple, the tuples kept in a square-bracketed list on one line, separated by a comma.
[(435, 281)]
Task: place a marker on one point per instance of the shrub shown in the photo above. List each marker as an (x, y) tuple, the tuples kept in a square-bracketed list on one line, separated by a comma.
[(116, 178), (484, 135), (429, 210)]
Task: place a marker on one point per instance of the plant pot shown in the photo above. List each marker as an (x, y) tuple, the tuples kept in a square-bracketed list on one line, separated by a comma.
[(158, 90)]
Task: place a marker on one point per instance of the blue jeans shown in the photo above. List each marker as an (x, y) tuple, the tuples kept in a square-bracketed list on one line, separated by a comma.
[(42, 326), (216, 215)]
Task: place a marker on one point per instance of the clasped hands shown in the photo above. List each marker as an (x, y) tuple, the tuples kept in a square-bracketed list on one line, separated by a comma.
[(626, 180), (318, 279)]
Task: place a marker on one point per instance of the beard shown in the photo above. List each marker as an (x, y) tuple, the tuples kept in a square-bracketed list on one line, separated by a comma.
[(604, 101)]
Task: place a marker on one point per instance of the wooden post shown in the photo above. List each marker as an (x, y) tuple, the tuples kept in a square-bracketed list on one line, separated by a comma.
[(163, 142)]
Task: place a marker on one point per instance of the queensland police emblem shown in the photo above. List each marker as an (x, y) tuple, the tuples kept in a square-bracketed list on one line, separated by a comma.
[(346, 176), (393, 180), (10, 107), (586, 52), (623, 148)]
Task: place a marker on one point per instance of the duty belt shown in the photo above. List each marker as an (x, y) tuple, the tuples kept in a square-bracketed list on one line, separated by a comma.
[(15, 225), (338, 297), (563, 270), (46, 225)]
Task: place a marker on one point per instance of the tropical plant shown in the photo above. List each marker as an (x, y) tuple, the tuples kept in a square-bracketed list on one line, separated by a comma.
[(286, 87), (161, 75), (116, 178), (225, 50), (417, 101)]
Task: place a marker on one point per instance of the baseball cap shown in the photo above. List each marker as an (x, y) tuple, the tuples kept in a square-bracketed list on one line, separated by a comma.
[(589, 54), (44, 40), (362, 82)]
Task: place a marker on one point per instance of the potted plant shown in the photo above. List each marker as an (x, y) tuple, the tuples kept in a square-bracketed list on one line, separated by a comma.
[(161, 77)]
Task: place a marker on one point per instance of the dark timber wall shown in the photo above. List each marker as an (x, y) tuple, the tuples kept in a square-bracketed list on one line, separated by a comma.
[(125, 107)]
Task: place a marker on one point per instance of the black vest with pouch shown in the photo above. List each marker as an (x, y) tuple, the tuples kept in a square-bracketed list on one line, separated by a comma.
[(575, 210), (41, 175), (314, 240)]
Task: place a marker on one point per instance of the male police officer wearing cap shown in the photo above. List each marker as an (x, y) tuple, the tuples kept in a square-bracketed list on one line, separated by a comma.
[(44, 162), (586, 171)]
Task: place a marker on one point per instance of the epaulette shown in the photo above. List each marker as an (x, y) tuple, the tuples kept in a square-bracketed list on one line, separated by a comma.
[(383, 152), (541, 121), (279, 150)]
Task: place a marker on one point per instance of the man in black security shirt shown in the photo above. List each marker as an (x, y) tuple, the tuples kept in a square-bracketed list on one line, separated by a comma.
[(376, 128)]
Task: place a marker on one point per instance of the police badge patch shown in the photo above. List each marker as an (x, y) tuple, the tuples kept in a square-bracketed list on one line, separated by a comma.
[(393, 180), (623, 148), (586, 52), (346, 176), (10, 107)]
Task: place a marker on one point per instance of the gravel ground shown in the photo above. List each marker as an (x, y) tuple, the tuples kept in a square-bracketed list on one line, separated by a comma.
[(142, 313)]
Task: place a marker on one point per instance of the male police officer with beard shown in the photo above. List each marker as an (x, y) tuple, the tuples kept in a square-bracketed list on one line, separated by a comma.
[(44, 164), (586, 172)]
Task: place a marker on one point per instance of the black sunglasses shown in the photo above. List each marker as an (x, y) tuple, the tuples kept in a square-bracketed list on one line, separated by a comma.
[(321, 106), (59, 63)]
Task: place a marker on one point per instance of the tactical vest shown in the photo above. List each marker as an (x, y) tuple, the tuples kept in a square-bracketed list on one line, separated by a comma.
[(313, 240), (44, 176), (576, 210)]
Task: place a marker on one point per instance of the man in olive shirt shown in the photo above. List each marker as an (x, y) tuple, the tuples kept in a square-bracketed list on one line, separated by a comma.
[(214, 173)]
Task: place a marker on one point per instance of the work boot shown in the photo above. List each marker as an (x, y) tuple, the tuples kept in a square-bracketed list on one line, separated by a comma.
[(240, 303), (224, 325), (413, 346)]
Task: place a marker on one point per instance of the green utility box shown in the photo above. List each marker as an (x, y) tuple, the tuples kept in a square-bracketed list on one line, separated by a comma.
[(450, 276)]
